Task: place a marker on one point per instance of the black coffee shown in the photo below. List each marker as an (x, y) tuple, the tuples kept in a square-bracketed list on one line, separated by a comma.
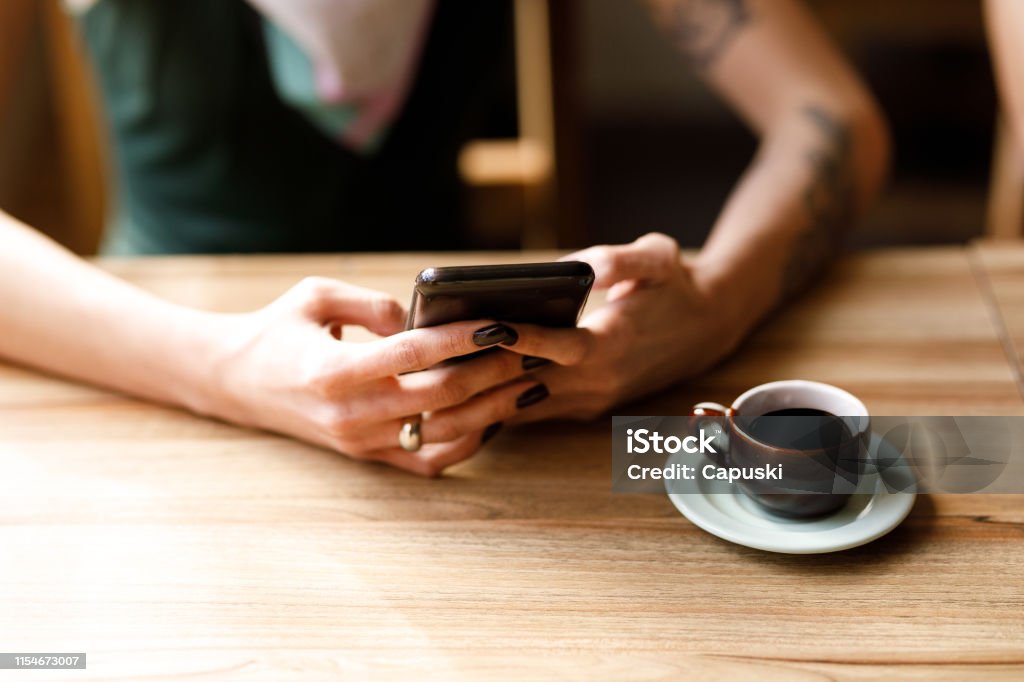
[(798, 428)]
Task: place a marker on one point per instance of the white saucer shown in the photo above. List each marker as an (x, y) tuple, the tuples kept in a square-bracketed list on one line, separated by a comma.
[(871, 513)]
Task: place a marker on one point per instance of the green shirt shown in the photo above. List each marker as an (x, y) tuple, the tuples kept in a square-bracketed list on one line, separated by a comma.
[(209, 159)]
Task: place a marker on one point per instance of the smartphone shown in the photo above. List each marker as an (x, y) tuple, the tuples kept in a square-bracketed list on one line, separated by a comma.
[(548, 294)]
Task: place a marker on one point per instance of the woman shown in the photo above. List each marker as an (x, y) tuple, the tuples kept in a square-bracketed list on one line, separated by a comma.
[(274, 126)]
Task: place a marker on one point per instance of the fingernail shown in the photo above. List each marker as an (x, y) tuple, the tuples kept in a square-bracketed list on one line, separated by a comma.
[(495, 334), (490, 432), (532, 396), (533, 362)]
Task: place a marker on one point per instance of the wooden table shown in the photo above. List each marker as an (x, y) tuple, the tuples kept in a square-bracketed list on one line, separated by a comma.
[(164, 545)]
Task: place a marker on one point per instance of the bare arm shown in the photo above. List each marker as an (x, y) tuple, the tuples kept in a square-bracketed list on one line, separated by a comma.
[(284, 367), (822, 157), (823, 152), (1005, 20), (66, 316)]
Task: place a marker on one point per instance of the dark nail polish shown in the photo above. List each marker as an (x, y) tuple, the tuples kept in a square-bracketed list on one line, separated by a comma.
[(533, 362), (532, 396), (513, 336), (490, 432), (495, 334)]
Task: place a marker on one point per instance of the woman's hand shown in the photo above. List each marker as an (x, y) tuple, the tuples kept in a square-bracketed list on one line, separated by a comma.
[(657, 327), (286, 368), (283, 368)]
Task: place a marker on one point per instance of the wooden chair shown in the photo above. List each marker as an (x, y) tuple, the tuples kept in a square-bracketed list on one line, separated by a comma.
[(79, 127), (542, 166), (53, 174)]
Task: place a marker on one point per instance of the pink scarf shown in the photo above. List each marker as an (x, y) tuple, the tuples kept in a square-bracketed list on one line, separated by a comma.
[(363, 54)]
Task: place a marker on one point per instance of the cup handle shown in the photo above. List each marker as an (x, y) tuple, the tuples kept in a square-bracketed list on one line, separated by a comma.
[(711, 417), (710, 410)]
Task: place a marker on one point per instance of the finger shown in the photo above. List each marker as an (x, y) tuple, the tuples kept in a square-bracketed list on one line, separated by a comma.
[(436, 389), (654, 256), (569, 400), (377, 311), (622, 289), (472, 416), (565, 346), (431, 459), (575, 407), (330, 301), (419, 349), (566, 407)]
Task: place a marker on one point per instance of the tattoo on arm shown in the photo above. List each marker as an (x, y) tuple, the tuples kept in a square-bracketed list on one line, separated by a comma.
[(828, 201), (704, 28)]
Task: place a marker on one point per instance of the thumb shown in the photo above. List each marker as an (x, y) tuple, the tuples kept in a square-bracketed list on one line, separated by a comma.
[(653, 257), (333, 301)]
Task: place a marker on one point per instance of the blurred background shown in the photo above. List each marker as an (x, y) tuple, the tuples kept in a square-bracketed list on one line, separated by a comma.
[(601, 131)]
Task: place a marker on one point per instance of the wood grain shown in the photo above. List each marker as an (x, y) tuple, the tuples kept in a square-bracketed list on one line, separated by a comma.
[(168, 546), (1000, 268)]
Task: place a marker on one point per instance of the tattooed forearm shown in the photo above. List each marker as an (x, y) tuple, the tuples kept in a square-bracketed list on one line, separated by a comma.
[(828, 202), (704, 28)]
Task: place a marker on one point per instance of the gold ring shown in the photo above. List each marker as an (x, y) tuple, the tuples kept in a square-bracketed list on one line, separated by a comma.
[(409, 437)]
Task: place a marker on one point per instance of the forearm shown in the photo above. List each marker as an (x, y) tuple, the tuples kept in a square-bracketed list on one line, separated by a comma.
[(68, 317), (1003, 21), (823, 154), (816, 171)]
